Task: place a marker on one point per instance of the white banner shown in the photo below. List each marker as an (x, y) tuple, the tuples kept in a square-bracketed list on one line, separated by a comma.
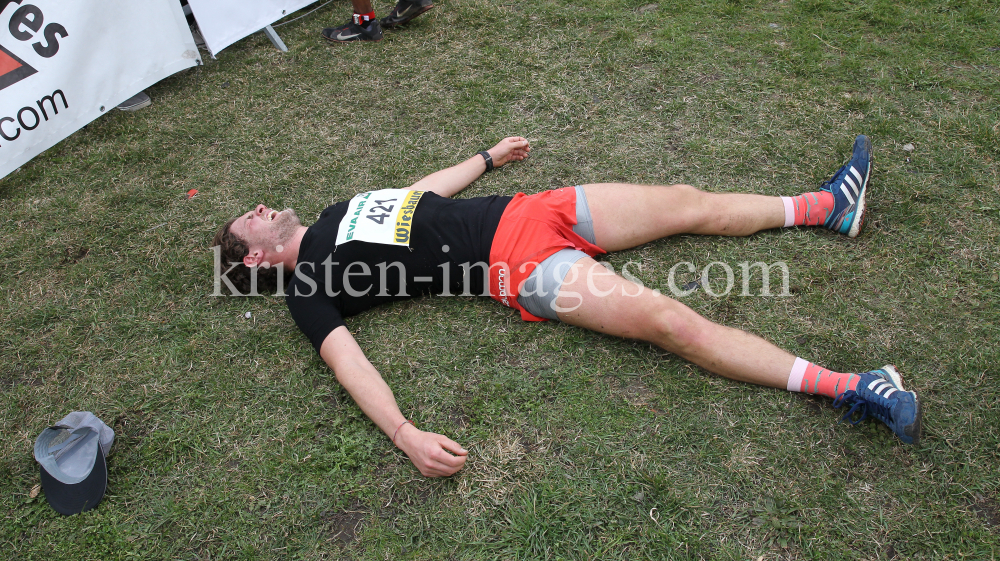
[(224, 22), (63, 64)]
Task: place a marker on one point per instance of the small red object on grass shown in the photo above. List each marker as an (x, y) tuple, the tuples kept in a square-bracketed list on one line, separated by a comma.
[(192, 193)]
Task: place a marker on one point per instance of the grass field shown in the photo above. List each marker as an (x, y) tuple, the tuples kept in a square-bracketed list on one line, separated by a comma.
[(234, 440)]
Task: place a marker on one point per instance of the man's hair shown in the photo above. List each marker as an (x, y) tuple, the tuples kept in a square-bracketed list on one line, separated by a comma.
[(232, 250)]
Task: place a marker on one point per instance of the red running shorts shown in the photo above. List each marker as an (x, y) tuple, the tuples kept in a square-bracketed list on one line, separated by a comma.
[(532, 228)]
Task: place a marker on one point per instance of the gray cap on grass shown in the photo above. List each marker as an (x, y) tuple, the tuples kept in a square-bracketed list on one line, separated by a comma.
[(72, 454)]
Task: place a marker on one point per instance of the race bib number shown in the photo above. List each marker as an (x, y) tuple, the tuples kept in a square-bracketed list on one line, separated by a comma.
[(384, 217)]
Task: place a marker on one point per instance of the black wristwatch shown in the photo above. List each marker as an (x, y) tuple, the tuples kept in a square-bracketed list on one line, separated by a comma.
[(489, 160)]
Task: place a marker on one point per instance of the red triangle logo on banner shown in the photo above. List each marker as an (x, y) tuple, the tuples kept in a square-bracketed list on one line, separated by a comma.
[(12, 69)]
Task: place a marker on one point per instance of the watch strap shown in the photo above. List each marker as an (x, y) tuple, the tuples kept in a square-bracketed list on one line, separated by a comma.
[(489, 160)]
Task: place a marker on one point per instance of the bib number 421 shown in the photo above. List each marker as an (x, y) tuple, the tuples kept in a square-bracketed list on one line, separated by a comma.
[(379, 213)]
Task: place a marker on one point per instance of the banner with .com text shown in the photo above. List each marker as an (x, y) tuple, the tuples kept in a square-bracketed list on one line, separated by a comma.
[(224, 22), (63, 64)]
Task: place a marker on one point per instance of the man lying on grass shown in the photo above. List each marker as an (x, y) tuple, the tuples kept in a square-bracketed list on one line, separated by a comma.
[(535, 253)]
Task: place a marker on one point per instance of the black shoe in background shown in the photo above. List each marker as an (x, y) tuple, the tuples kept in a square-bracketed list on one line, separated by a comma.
[(353, 32), (405, 11)]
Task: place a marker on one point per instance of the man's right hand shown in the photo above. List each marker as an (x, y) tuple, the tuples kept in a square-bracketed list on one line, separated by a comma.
[(433, 454)]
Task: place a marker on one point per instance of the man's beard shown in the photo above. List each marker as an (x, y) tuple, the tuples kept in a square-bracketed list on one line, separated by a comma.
[(285, 225)]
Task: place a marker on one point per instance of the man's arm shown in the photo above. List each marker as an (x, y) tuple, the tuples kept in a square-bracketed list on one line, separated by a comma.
[(449, 181), (428, 451)]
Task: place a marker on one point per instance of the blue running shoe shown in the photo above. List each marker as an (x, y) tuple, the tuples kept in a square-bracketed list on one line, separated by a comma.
[(880, 394), (848, 188)]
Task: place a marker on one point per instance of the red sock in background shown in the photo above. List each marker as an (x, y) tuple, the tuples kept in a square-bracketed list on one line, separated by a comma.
[(807, 377), (808, 209)]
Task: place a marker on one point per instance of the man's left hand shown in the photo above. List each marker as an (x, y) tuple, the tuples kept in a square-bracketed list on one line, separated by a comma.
[(510, 149)]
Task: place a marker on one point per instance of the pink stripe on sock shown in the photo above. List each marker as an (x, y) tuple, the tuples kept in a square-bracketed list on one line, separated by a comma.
[(789, 213), (796, 375)]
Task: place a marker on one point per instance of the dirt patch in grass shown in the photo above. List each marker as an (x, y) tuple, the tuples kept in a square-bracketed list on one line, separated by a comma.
[(132, 424), (73, 256), (345, 525), (20, 376), (457, 417), (988, 510), (637, 393)]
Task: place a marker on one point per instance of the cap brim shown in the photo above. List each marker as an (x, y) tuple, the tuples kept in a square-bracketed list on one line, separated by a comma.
[(78, 497)]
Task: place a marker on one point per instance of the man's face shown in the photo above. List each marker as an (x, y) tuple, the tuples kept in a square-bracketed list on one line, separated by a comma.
[(266, 229)]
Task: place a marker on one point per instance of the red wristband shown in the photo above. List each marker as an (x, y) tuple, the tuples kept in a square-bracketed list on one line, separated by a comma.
[(399, 427)]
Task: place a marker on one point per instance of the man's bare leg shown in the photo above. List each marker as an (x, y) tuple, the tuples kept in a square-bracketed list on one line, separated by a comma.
[(627, 215), (604, 302), (362, 6), (593, 297)]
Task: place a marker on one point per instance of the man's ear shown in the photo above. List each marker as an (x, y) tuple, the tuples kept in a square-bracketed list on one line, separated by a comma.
[(253, 258)]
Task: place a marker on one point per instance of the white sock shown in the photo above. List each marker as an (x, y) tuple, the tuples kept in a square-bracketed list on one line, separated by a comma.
[(795, 376), (789, 211)]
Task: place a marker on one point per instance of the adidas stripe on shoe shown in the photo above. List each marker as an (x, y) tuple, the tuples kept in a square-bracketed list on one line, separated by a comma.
[(848, 186), (880, 394)]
